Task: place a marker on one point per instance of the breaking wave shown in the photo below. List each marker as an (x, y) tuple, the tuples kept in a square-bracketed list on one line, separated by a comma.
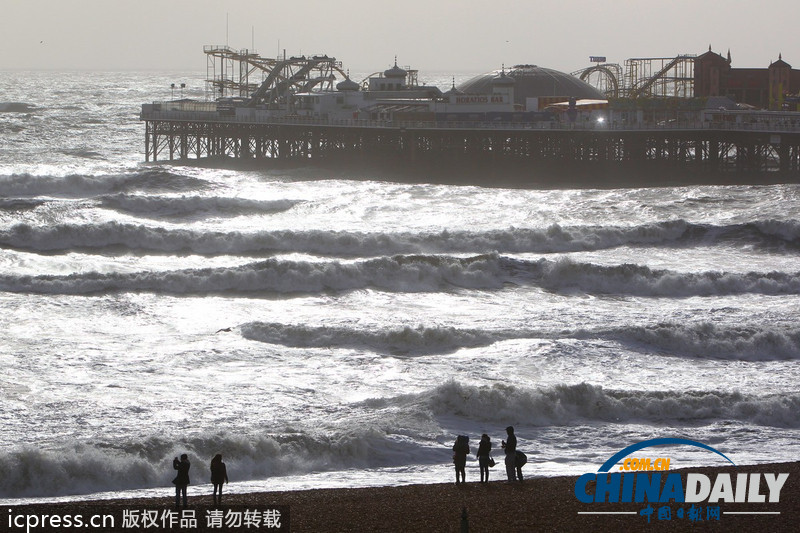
[(180, 206), (20, 204), (80, 185), (111, 466), (582, 403), (399, 273), (66, 237), (708, 340), (637, 280), (415, 273), (417, 340), (701, 340), (383, 439)]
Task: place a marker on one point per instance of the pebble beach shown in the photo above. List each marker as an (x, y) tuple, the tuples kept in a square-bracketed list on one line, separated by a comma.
[(536, 504)]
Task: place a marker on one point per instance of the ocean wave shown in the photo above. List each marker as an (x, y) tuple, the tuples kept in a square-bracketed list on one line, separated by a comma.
[(111, 466), (702, 340), (19, 204), (784, 231), (709, 340), (180, 206), (398, 273), (566, 275), (16, 107), (414, 273), (80, 185), (418, 340), (65, 237), (83, 153), (582, 403)]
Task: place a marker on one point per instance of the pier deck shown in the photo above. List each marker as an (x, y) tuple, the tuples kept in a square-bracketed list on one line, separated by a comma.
[(771, 151)]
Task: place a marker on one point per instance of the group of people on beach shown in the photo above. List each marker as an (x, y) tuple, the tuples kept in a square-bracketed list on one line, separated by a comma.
[(514, 459), (219, 475), (514, 462)]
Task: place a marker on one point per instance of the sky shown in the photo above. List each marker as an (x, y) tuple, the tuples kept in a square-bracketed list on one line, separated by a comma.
[(366, 35)]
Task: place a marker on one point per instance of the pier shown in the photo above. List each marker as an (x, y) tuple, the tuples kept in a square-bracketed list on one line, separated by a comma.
[(527, 123), (723, 144)]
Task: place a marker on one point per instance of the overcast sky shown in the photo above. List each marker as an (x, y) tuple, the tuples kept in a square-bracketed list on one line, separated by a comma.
[(429, 35)]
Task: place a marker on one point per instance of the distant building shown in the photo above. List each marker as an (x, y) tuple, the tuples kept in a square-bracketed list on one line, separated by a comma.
[(763, 88)]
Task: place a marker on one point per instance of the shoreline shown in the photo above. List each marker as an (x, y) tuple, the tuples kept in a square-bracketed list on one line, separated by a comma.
[(537, 504)]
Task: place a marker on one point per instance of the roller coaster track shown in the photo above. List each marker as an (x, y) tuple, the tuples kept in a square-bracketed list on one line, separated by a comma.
[(277, 82), (304, 74), (637, 81), (640, 89), (612, 73)]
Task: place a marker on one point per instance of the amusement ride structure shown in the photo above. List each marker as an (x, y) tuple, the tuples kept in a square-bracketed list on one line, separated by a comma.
[(250, 79), (642, 77)]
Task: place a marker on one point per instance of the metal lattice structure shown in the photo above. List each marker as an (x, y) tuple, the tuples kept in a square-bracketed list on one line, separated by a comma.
[(255, 80), (660, 77), (648, 77), (605, 77)]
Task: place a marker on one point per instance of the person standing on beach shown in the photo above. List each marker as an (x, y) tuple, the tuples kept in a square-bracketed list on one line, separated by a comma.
[(181, 481), (484, 448), (510, 446), (219, 475), (460, 452)]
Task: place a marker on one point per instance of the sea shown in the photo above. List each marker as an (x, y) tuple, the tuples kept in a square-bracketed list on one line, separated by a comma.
[(320, 329)]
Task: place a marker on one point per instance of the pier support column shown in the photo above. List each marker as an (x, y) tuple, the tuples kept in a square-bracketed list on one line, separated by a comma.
[(784, 159), (184, 144), (713, 153), (147, 141), (171, 142)]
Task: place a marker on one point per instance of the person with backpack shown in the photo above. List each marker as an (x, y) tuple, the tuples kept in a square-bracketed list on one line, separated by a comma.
[(460, 452), (484, 459)]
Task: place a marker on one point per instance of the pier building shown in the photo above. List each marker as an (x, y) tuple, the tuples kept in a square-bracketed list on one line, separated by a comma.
[(763, 88)]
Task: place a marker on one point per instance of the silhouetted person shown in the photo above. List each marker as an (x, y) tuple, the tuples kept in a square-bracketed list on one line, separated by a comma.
[(181, 481), (510, 446), (519, 462), (219, 475), (484, 448), (460, 452)]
